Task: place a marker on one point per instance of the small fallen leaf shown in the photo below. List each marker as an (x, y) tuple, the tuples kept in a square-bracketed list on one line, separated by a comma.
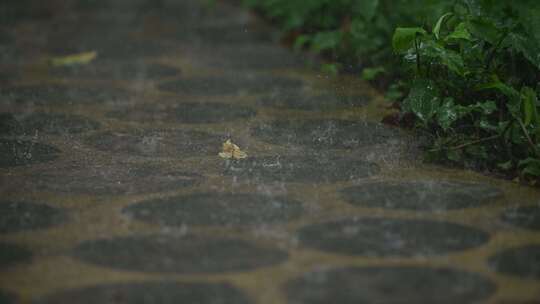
[(231, 151), (74, 59)]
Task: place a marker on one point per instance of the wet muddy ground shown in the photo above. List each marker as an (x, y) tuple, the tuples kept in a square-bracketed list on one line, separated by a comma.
[(113, 190)]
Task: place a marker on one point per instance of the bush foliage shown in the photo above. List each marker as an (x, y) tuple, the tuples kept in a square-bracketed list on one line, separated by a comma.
[(469, 70)]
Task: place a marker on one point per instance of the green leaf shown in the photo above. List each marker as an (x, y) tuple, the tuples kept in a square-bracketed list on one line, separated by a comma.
[(404, 37), (484, 29), (486, 107), (514, 100), (423, 100), (516, 134), (506, 165), (460, 32), (531, 166), (454, 62), (330, 68), (455, 155), (326, 40), (450, 58), (301, 41), (477, 151), (358, 29), (447, 114), (496, 84), (528, 46), (486, 125), (529, 100), (437, 27), (394, 92), (372, 73), (489, 106), (366, 8)]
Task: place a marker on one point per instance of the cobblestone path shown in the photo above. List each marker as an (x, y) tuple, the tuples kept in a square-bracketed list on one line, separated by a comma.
[(112, 190)]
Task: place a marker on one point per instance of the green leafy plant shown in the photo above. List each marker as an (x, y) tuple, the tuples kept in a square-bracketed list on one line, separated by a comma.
[(470, 69), (474, 84)]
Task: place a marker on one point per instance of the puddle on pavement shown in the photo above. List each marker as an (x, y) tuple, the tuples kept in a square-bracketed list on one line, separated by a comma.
[(113, 189)]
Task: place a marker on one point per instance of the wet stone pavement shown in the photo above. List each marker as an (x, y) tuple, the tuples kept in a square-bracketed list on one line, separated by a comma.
[(113, 190)]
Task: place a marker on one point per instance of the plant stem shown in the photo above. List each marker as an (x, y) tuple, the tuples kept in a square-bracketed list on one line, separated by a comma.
[(469, 143), (474, 142), (529, 140), (495, 48), (417, 55), (505, 144)]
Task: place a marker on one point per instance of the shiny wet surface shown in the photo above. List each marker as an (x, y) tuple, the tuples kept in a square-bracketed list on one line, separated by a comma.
[(113, 190)]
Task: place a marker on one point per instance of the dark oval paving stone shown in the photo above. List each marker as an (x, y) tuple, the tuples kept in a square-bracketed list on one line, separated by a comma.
[(254, 56), (16, 11), (7, 298), (535, 301), (421, 195), (522, 261), (214, 35), (4, 77), (230, 84), (21, 152), (9, 125), (382, 237), (172, 254), (324, 134), (307, 168), (223, 209), (7, 37), (117, 70), (135, 6), (111, 179), (156, 292), (525, 217), (55, 94), (234, 34), (22, 216), (130, 50), (402, 284), (185, 112), (52, 123), (111, 46), (156, 143), (8, 74), (10, 55), (187, 14), (11, 254), (321, 102)]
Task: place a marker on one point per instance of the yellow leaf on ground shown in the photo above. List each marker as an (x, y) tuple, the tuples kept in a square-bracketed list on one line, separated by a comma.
[(231, 150), (74, 59)]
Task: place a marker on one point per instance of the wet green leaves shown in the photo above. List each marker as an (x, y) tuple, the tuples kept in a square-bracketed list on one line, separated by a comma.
[(405, 37), (473, 79), (530, 102), (473, 65), (423, 100)]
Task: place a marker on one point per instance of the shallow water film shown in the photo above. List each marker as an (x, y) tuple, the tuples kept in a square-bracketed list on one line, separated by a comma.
[(113, 189)]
